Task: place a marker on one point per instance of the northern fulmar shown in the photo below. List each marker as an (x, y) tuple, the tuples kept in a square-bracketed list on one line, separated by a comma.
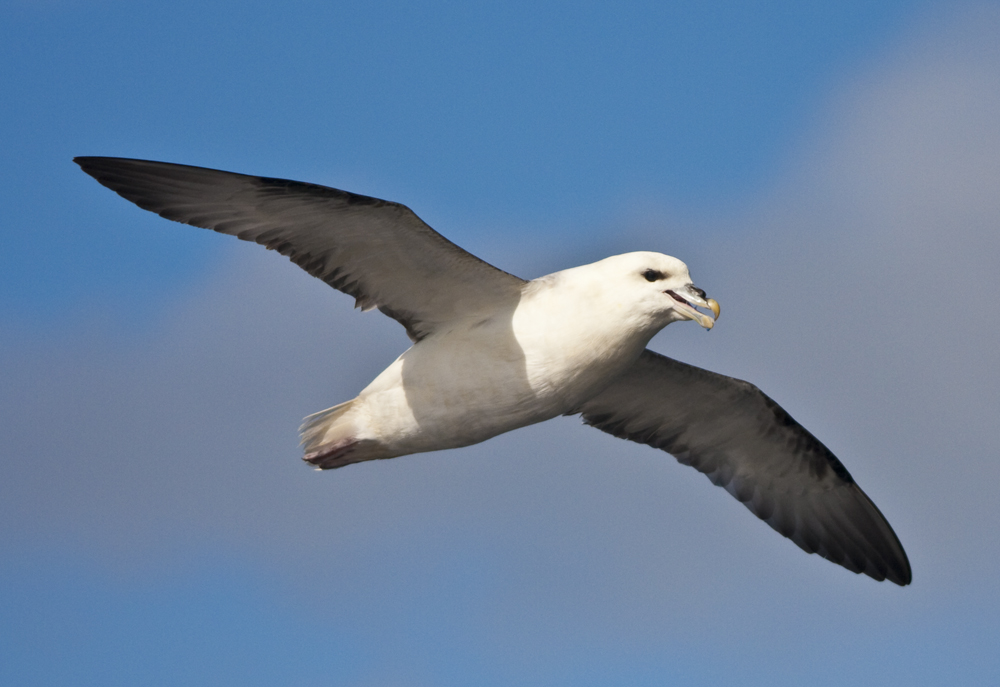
[(492, 352)]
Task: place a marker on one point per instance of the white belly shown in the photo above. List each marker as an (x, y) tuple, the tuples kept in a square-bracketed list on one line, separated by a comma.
[(469, 384)]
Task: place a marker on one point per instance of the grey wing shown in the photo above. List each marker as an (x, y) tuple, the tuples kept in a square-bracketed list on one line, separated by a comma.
[(747, 444), (377, 251)]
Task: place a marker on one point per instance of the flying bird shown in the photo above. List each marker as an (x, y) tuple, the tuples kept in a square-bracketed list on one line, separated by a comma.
[(492, 352)]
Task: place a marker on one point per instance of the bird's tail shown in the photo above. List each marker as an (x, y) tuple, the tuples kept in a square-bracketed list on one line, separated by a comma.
[(330, 439)]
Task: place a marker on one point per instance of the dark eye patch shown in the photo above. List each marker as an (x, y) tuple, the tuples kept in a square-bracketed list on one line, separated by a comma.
[(652, 275)]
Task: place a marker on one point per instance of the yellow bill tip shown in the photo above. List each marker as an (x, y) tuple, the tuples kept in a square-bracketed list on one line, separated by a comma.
[(714, 305)]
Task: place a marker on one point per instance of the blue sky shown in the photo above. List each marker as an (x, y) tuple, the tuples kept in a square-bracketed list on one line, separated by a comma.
[(830, 173), (523, 116)]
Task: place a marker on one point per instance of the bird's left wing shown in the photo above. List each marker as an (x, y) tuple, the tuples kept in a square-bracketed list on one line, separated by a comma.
[(747, 444), (378, 251)]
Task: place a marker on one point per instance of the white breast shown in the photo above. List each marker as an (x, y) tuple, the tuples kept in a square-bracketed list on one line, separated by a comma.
[(485, 377)]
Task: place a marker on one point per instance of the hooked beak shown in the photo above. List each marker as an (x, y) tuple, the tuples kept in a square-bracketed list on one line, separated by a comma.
[(689, 298)]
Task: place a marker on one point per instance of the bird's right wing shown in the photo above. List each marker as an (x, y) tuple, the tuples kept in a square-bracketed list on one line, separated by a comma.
[(747, 444), (378, 251)]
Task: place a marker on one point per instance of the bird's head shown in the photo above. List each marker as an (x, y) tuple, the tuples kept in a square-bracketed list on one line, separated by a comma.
[(654, 286)]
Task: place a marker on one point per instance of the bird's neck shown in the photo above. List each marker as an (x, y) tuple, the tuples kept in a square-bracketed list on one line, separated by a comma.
[(576, 345)]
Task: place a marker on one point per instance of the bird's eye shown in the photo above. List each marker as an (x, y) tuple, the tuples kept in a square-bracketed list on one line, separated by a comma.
[(652, 275)]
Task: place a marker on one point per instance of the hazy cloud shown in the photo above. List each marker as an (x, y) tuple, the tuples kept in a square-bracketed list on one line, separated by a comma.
[(861, 294)]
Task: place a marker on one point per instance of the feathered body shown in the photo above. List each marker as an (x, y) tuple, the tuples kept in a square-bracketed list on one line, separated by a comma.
[(493, 352), (565, 339)]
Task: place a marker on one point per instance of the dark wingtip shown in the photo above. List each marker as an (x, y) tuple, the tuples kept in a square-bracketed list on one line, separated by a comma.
[(903, 576), (92, 164), (87, 160)]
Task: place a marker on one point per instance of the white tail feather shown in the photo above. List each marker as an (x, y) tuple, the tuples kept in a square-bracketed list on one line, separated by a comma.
[(327, 427)]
